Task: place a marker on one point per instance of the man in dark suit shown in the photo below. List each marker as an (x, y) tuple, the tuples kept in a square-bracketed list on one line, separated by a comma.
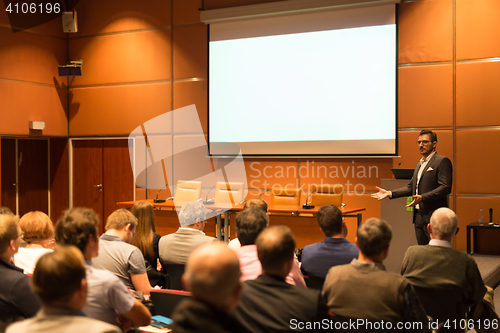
[(268, 303), (429, 186)]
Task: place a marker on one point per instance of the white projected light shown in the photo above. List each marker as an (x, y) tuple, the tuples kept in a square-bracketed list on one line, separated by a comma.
[(318, 92)]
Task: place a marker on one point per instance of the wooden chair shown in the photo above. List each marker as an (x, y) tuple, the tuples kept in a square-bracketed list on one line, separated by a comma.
[(165, 300), (327, 195)]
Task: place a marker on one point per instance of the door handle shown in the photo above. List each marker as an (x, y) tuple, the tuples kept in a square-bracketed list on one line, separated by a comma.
[(99, 186)]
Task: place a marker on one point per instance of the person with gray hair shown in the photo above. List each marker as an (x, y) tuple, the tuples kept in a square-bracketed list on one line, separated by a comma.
[(439, 266), (213, 277), (175, 248), (364, 290)]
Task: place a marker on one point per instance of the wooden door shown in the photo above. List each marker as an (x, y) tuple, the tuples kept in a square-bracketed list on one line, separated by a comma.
[(33, 175), (102, 175), (118, 177), (8, 174), (87, 175)]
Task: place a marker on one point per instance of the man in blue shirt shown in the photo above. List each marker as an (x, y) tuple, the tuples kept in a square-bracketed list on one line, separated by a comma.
[(334, 250)]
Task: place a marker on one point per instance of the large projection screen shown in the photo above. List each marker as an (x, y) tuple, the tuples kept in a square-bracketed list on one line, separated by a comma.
[(306, 84)]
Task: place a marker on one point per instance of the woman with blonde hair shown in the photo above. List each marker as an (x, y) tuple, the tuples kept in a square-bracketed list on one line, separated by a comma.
[(146, 239), (38, 233)]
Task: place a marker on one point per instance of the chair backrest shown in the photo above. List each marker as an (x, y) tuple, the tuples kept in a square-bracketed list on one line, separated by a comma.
[(285, 196), (442, 303), (313, 282), (187, 191), (174, 275), (165, 300), (327, 195), (228, 193)]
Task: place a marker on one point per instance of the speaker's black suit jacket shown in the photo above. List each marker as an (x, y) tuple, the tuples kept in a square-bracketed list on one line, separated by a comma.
[(434, 187)]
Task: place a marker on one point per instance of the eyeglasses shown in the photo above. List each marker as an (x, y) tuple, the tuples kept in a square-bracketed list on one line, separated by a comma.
[(424, 142)]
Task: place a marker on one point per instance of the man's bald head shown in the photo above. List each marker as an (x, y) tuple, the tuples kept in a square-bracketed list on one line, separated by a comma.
[(213, 276), (444, 224)]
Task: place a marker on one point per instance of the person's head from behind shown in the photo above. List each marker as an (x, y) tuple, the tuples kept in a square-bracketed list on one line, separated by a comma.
[(373, 238), (256, 202), (37, 228), (331, 220), (121, 223), (144, 233), (275, 248), (10, 236), (443, 225), (5, 210), (249, 224), (79, 227), (213, 276), (193, 215), (59, 278)]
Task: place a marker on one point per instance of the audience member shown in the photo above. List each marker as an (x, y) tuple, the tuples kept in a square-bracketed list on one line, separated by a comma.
[(212, 275), (334, 250), (5, 210), (175, 248), (59, 280), (107, 295), (364, 290), (249, 224), (146, 239), (118, 256), (438, 265), (38, 233), (268, 303), (235, 244), (17, 301)]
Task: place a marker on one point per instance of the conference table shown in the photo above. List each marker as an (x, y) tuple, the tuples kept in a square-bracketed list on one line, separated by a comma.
[(283, 212)]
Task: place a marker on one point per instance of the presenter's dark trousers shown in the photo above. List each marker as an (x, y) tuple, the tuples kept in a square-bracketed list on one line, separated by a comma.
[(421, 232)]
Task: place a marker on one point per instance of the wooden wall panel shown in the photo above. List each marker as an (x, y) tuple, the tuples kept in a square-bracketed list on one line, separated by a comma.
[(32, 58), (186, 12), (478, 29), (190, 51), (101, 17), (264, 174), (116, 110), (24, 102), (130, 57), (215, 4), (478, 100), (426, 91), (193, 92), (477, 169), (425, 31), (356, 175)]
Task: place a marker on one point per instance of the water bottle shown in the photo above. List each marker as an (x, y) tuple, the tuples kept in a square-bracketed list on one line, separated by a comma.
[(481, 217)]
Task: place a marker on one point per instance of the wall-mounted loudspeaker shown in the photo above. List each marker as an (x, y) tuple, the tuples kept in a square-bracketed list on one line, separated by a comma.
[(69, 21)]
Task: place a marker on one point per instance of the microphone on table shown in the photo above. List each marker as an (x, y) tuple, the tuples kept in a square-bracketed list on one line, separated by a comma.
[(207, 201), (156, 200), (399, 165), (260, 196), (308, 205)]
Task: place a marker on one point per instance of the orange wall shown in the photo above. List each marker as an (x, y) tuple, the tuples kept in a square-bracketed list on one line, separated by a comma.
[(30, 88), (146, 59)]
